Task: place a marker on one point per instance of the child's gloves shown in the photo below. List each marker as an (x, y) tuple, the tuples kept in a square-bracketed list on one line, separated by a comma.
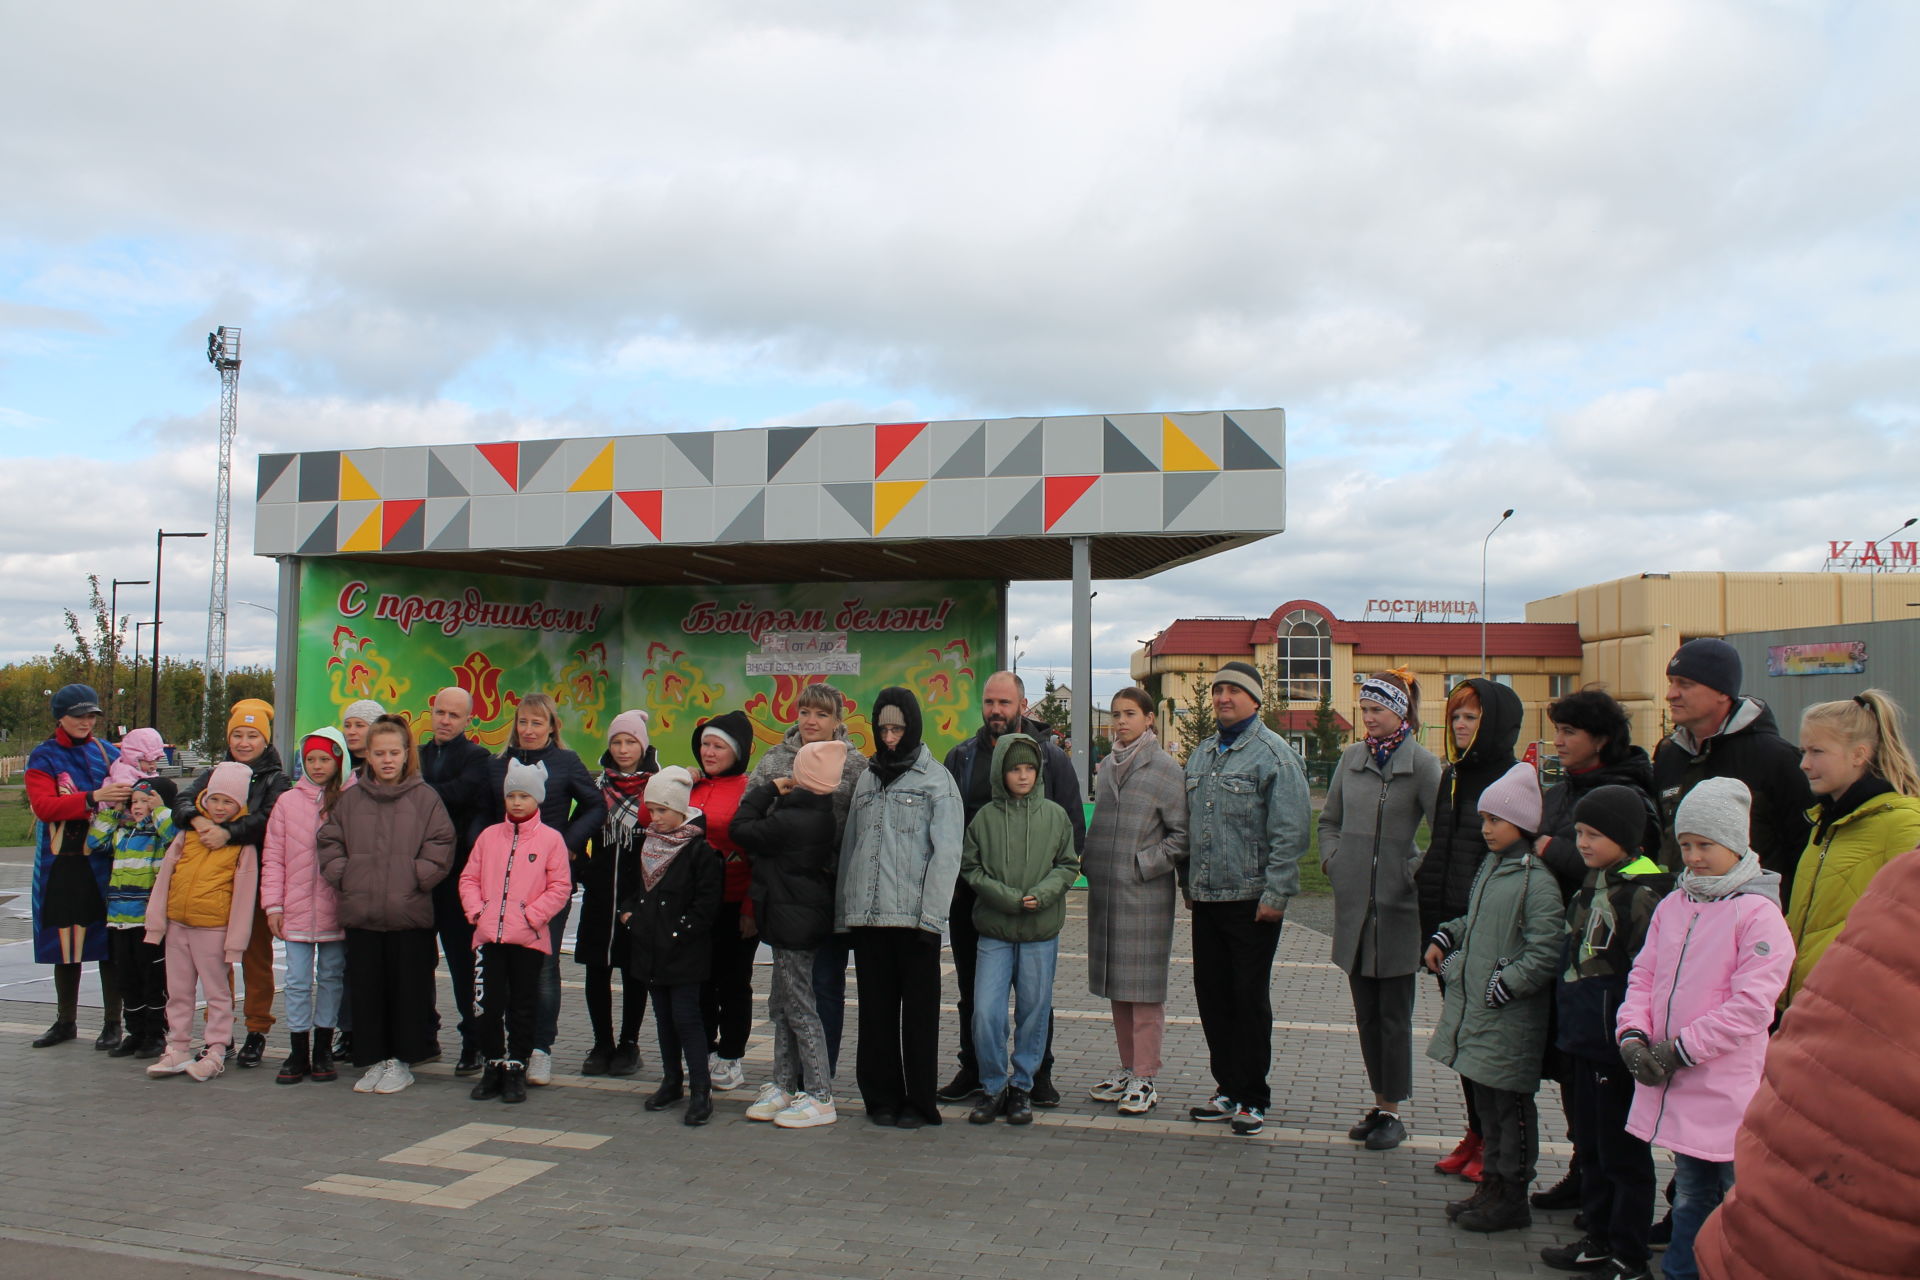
[(1497, 993), (1440, 938), (1638, 1056), (1670, 1056)]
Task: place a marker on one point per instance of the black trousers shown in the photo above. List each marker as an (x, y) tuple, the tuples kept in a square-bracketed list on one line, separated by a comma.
[(1232, 981), (1383, 1010), (456, 942), (965, 941), (1510, 1124), (633, 1006), (390, 976), (899, 1050), (1466, 1085), (682, 1033), (726, 998), (141, 967), (506, 995), (1615, 1168)]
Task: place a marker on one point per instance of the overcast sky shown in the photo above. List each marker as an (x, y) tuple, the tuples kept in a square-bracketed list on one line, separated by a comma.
[(1644, 271)]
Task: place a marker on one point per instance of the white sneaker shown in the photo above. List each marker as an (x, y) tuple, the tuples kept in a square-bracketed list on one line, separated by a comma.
[(1139, 1098), (1112, 1088), (806, 1112), (539, 1067), (771, 1102), (727, 1074), (398, 1077), (171, 1063), (375, 1074)]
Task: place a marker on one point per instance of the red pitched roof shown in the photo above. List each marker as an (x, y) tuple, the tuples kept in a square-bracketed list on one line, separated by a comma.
[(1296, 721), (1207, 636), (1462, 639)]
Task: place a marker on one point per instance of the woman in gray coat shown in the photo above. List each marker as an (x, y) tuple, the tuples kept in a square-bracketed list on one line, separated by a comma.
[(1380, 791), (1139, 831)]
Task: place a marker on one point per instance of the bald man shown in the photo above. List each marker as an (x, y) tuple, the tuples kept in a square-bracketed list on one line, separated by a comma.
[(456, 767)]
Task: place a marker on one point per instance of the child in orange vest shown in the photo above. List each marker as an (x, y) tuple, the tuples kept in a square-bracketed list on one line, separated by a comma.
[(202, 909)]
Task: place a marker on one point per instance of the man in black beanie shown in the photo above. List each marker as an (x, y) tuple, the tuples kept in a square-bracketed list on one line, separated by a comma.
[(1719, 733)]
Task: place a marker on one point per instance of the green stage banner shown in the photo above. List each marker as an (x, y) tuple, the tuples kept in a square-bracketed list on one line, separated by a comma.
[(694, 652), (396, 635)]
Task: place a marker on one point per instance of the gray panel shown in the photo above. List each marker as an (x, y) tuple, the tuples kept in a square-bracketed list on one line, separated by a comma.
[(739, 457), (956, 508), (273, 529), (697, 448), (324, 539), (441, 482), (686, 515), (540, 520), (1240, 452), (750, 525), (451, 536), (1119, 454), (846, 453), (1262, 491), (406, 473), (856, 500), (1026, 516), (597, 529), (1179, 491), (273, 468), (320, 477), (782, 444), (1025, 458), (1071, 446), (1128, 503), (543, 467), (969, 461), (492, 520), (792, 512), (636, 462)]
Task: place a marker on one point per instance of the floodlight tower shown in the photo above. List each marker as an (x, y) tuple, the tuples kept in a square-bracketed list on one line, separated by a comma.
[(223, 353)]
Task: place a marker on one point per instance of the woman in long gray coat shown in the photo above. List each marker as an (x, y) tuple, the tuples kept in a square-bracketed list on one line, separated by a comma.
[(1380, 791), (1139, 830)]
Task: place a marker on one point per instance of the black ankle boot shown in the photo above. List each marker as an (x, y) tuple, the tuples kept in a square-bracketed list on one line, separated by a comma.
[(59, 1033), (699, 1107), (671, 1090), (625, 1060), (513, 1082), (135, 1032), (299, 1063), (321, 1069), (109, 1037), (488, 1086), (1505, 1210)]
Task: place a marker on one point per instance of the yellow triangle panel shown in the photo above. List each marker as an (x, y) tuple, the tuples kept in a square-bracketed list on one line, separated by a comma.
[(367, 536), (353, 485), (890, 498), (1178, 452), (599, 473)]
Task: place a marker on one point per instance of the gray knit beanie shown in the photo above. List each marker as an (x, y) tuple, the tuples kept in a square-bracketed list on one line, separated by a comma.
[(1720, 809), (530, 779), (1242, 674)]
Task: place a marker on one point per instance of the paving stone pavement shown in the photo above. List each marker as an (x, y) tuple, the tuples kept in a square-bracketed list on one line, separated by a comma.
[(224, 1175)]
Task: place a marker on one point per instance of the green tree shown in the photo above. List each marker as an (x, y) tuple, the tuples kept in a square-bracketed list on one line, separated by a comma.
[(1273, 701), (1053, 710), (1326, 735), (1195, 724)]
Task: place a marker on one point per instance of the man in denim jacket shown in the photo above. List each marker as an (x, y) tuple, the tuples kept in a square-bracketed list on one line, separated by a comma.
[(1248, 821)]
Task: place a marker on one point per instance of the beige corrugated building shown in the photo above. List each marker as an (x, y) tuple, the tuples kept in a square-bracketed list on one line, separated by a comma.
[(1629, 627)]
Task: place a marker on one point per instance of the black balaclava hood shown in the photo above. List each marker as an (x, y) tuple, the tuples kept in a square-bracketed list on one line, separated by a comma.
[(891, 764)]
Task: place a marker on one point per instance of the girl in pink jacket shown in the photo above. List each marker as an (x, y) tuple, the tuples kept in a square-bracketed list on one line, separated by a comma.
[(514, 884), (1693, 1027), (303, 910)]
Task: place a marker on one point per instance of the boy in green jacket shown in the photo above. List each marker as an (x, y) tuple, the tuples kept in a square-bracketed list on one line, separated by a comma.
[(1019, 861)]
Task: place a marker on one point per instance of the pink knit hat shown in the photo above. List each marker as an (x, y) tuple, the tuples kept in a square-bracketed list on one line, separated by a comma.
[(1515, 797), (818, 766), (633, 722), (231, 779)]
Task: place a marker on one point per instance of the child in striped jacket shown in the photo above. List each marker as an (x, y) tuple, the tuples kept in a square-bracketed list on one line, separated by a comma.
[(138, 835)]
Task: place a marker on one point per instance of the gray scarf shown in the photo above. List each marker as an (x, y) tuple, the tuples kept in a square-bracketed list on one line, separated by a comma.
[(1713, 888), (1123, 760)]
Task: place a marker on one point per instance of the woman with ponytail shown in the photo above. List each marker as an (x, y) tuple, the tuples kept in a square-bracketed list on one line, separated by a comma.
[(1866, 814), (1380, 792)]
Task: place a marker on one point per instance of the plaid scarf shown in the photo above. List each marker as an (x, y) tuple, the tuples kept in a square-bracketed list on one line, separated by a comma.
[(626, 810)]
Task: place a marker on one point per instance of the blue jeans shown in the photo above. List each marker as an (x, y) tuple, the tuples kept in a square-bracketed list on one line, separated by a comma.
[(546, 1016), (830, 992), (316, 978), (1698, 1188), (1025, 968)]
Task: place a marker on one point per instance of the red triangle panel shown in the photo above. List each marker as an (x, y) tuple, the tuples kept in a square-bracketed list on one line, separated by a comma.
[(505, 459), (645, 503), (890, 440), (1062, 493), (394, 513)]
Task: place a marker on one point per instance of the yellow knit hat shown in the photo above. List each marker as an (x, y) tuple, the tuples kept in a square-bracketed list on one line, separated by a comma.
[(253, 713)]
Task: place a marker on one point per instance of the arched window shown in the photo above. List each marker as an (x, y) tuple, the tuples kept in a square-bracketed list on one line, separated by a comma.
[(1306, 655)]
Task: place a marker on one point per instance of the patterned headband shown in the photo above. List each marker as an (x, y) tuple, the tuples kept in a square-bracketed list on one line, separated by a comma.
[(1386, 695)]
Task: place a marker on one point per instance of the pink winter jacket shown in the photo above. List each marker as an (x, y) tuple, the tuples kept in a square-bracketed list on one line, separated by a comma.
[(515, 882), (291, 885), (1709, 973)]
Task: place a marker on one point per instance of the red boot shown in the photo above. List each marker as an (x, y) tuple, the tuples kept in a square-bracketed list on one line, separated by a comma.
[(1475, 1170), (1460, 1156)]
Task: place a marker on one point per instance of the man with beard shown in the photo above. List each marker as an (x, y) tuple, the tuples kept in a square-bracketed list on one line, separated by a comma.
[(1003, 705)]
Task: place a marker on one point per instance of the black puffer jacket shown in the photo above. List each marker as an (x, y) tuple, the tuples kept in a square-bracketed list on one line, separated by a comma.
[(1445, 878), (790, 840), (268, 784), (672, 926), (1748, 747), (1556, 815)]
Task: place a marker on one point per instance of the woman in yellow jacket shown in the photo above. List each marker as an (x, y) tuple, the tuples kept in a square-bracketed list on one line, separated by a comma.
[(1863, 777)]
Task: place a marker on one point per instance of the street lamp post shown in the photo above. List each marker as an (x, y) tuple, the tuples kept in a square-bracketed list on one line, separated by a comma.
[(1504, 517), (159, 548), (133, 681), (113, 637), (1873, 579)]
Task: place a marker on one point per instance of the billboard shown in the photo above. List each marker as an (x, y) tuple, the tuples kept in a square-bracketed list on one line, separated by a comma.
[(1826, 658), (396, 635)]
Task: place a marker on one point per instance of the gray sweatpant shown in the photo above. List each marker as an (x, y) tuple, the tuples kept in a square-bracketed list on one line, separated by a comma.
[(799, 1041)]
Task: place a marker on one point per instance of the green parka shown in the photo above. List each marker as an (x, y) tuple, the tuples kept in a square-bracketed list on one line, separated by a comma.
[(1512, 927), (1016, 847)]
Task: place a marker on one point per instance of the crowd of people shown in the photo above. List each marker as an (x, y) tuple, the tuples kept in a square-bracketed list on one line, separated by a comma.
[(1634, 934)]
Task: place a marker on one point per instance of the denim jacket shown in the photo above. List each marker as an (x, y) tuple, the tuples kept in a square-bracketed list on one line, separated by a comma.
[(901, 852), (1248, 820)]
